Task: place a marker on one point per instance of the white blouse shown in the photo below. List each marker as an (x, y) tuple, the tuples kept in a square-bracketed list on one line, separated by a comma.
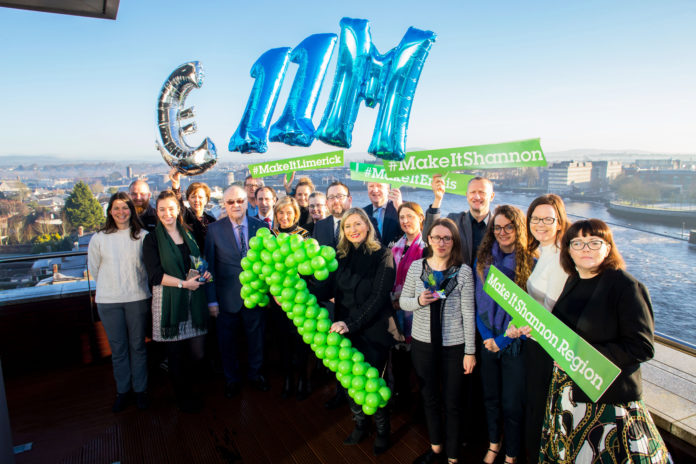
[(548, 278)]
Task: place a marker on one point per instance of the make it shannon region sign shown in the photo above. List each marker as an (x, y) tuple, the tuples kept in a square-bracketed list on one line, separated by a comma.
[(588, 368), (517, 154)]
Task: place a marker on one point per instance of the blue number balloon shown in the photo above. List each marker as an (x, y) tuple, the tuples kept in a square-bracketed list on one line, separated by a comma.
[(268, 71), (398, 74), (295, 127), (336, 127), (170, 111)]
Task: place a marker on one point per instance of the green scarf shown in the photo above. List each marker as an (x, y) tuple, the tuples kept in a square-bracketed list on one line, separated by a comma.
[(176, 302)]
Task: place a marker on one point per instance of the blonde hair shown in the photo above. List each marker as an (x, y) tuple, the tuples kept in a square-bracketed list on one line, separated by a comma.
[(371, 243), (282, 203)]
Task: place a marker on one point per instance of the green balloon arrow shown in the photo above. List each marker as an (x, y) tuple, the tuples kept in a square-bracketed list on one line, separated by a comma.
[(274, 264)]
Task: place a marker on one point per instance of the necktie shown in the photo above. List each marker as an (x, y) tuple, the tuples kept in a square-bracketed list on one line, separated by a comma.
[(336, 227), (377, 214), (242, 240), (268, 221)]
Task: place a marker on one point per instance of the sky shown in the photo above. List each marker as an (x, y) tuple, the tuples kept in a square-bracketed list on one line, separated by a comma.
[(615, 76)]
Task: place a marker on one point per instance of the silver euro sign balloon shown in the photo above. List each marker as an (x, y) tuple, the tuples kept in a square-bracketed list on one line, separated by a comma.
[(170, 112)]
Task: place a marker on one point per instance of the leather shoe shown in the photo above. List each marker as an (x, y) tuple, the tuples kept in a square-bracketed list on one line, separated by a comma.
[(232, 389), (287, 387), (381, 444), (357, 435), (141, 400), (428, 457), (122, 402), (259, 383), (337, 401)]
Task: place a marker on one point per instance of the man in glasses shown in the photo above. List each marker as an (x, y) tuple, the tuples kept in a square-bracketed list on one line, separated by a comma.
[(338, 200), (471, 224), (226, 243), (251, 185)]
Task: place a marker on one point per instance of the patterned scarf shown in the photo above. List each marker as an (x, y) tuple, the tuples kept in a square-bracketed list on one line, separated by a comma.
[(403, 260)]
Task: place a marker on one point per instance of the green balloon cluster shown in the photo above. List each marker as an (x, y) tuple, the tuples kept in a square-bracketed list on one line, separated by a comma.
[(272, 265)]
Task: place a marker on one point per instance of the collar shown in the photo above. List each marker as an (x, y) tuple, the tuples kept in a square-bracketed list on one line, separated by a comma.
[(244, 223)]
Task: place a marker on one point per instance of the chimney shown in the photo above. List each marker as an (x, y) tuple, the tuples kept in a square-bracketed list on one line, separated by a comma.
[(55, 272)]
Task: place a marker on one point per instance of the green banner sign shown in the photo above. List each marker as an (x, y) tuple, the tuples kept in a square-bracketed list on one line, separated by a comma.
[(522, 153), (454, 183), (303, 163), (593, 372)]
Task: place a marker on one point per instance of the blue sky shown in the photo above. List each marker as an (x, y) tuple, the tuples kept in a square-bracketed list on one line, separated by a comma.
[(603, 75)]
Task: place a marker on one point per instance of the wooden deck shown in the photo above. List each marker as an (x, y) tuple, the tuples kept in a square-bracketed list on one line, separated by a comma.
[(67, 417)]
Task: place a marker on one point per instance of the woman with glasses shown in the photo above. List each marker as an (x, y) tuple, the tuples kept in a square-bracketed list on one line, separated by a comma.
[(294, 352), (504, 246), (360, 287), (439, 291), (546, 224), (115, 259), (612, 311)]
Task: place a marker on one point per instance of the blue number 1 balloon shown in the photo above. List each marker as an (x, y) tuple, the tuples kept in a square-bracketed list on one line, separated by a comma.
[(268, 72), (295, 127)]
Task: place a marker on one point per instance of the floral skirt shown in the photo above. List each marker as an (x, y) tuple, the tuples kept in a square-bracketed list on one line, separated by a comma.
[(597, 433)]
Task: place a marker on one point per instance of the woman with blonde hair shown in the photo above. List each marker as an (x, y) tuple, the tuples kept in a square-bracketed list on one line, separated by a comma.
[(504, 246), (361, 286)]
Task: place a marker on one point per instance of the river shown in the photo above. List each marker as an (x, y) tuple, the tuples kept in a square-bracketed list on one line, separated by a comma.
[(654, 255)]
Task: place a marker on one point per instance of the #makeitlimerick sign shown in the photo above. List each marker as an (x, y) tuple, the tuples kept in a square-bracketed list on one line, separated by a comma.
[(302, 163), (518, 154), (588, 368), (454, 183)]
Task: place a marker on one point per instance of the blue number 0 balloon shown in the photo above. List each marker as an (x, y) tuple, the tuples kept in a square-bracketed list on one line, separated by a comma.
[(172, 145)]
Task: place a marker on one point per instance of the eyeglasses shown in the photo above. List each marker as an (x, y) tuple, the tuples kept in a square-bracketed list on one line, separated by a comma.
[(319, 206), (439, 239), (339, 197), (253, 185), (547, 220), (594, 245), (238, 201), (507, 228)]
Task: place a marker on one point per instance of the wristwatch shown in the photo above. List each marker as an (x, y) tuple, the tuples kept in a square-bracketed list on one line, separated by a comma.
[(180, 284)]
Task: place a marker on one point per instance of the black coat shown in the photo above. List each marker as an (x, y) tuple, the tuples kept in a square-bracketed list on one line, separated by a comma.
[(391, 229), (361, 287), (618, 321), (466, 234)]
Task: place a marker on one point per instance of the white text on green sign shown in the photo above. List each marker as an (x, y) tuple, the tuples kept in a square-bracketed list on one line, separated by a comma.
[(454, 183), (302, 163)]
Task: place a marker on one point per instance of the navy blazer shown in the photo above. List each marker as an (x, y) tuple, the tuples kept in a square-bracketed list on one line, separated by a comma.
[(466, 234), (391, 229), (324, 232), (224, 262)]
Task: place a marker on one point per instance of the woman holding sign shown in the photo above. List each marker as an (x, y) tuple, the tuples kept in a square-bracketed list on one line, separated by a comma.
[(504, 246), (612, 311), (546, 224), (439, 290)]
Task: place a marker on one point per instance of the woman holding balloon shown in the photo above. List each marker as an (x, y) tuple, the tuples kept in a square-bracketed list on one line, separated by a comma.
[(439, 290), (361, 286), (294, 353)]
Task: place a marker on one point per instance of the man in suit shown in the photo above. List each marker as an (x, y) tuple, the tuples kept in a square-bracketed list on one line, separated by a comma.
[(226, 243), (383, 207), (471, 224), (140, 193), (251, 185), (266, 198), (338, 200)]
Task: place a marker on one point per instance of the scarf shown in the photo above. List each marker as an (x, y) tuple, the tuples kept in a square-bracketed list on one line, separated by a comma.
[(403, 260), (492, 315), (292, 230), (176, 302)]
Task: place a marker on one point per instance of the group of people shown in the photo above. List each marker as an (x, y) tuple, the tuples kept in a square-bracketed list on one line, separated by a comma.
[(408, 293)]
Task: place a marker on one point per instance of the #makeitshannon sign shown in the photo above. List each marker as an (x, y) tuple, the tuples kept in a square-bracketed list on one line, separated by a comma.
[(302, 163), (588, 368), (518, 154)]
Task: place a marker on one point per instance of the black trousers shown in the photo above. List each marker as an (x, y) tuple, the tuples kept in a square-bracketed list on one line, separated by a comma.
[(538, 366), (503, 378), (440, 374), (184, 364)]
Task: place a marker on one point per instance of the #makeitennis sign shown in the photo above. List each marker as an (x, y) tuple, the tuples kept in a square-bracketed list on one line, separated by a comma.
[(588, 368), (454, 183), (518, 154), (302, 163)]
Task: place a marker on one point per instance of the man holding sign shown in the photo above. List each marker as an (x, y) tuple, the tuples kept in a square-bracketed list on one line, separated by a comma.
[(595, 412)]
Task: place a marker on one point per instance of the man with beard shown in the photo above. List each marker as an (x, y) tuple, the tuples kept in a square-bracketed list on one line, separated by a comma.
[(140, 194)]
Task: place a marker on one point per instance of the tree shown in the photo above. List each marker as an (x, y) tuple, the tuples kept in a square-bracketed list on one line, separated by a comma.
[(82, 209)]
